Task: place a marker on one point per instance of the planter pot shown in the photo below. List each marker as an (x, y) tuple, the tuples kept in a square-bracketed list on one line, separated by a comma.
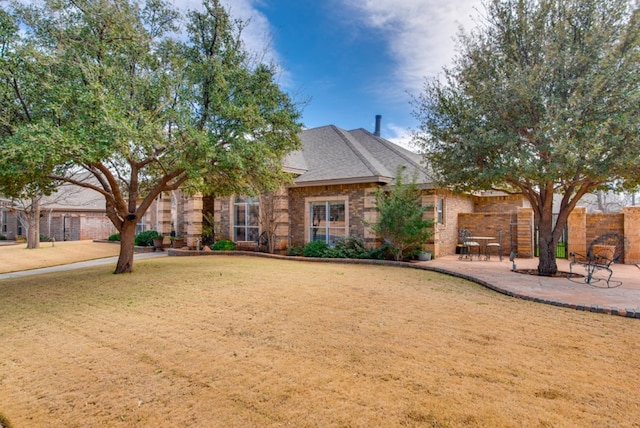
[(425, 256), (178, 242), (158, 243)]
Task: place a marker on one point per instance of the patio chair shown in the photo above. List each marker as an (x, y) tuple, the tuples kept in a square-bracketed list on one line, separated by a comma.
[(602, 253), (494, 246), (468, 248)]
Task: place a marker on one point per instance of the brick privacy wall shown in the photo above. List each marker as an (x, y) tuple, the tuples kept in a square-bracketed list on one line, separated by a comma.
[(503, 204), (487, 224), (357, 209), (601, 223)]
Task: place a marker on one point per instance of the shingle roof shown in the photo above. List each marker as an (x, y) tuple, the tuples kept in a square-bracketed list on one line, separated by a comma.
[(331, 155)]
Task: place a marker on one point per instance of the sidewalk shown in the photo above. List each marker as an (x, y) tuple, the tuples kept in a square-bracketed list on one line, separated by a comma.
[(498, 275), (78, 265)]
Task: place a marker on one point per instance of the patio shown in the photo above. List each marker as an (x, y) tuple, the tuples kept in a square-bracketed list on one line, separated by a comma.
[(498, 275)]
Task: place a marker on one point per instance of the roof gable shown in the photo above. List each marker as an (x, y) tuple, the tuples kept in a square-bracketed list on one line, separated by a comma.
[(331, 155)]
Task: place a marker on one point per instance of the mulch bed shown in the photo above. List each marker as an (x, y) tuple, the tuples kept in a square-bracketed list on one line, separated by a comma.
[(558, 274)]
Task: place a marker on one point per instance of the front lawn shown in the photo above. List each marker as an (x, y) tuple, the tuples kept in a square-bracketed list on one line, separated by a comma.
[(246, 341)]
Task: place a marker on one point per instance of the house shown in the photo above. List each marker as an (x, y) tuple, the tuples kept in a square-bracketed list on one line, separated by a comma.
[(336, 175), (71, 213)]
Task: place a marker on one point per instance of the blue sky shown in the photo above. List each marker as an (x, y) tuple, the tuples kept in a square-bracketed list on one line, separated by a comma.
[(353, 59)]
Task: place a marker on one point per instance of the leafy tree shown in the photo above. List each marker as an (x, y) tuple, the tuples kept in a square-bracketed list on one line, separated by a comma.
[(401, 221), (144, 111), (21, 109), (542, 99)]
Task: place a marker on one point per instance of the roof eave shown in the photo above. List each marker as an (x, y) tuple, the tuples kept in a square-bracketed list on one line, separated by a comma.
[(338, 181)]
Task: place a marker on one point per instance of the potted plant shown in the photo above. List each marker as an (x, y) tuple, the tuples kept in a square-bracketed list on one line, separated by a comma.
[(424, 256), (177, 241), (158, 243)]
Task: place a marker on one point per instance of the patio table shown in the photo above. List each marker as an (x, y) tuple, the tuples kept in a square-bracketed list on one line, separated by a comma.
[(483, 241)]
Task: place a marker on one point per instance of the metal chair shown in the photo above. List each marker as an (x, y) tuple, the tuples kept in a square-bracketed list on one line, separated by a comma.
[(494, 246), (468, 247)]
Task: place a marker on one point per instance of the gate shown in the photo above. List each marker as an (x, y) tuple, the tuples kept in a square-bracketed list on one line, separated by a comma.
[(561, 248)]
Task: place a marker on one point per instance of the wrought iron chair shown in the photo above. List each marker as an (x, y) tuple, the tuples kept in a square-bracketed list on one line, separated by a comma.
[(468, 247), (492, 246), (603, 252)]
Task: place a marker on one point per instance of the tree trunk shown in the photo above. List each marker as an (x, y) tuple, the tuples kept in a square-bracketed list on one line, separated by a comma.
[(127, 241), (547, 265), (33, 224)]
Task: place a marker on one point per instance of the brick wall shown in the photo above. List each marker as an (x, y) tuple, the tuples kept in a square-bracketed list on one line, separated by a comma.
[(503, 203), (445, 237), (95, 226), (73, 226), (488, 224), (601, 223), (358, 209), (632, 234)]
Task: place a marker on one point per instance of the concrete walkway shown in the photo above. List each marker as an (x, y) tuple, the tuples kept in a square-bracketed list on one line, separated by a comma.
[(498, 275), (78, 265)]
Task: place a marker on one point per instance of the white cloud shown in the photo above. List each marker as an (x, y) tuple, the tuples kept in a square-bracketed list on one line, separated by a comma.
[(420, 33), (401, 136), (258, 34)]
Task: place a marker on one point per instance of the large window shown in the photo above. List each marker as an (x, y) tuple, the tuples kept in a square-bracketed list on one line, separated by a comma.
[(246, 225), (327, 221)]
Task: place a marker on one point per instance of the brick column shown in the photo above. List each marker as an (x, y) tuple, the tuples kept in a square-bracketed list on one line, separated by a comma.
[(524, 232), (577, 228), (163, 214), (193, 219), (281, 207), (370, 216), (631, 234)]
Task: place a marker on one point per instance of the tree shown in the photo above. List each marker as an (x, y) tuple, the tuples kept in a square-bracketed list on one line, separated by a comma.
[(542, 98), (401, 221), (21, 108), (145, 112), (271, 217)]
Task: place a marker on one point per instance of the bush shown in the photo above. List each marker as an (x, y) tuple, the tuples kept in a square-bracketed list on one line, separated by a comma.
[(114, 237), (44, 238), (317, 249), (145, 239), (383, 252), (400, 220), (224, 245), (295, 250), (3, 238)]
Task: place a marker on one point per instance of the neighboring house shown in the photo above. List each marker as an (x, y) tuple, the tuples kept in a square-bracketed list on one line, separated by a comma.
[(72, 213)]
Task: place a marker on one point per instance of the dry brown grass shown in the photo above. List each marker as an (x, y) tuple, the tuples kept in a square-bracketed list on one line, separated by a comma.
[(243, 341), (17, 257)]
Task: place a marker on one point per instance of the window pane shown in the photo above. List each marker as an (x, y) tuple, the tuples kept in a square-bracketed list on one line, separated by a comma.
[(441, 211), (335, 235), (240, 215), (252, 234), (254, 213), (336, 213), (239, 234), (319, 214)]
